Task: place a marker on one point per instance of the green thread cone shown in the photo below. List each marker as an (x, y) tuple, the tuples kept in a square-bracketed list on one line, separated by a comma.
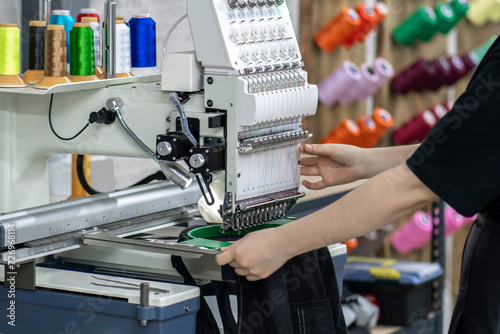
[(82, 61)]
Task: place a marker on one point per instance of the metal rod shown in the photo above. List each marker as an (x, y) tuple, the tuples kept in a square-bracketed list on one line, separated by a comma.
[(172, 170), (85, 213), (144, 298), (44, 11), (109, 44), (104, 43)]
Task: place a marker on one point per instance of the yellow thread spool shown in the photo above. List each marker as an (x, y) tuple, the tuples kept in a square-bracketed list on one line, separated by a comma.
[(495, 13), (10, 56), (482, 11)]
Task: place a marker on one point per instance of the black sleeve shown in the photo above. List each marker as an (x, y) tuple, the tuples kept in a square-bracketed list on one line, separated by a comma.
[(460, 159)]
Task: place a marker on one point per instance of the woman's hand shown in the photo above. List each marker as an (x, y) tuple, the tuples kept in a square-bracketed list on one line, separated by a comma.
[(257, 255), (335, 163)]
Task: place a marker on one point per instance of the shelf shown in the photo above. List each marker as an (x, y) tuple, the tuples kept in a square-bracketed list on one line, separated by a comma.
[(381, 329), (78, 86), (422, 326)]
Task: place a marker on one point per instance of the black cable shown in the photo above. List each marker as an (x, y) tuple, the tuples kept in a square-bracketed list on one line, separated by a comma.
[(86, 186), (156, 176), (52, 128), (81, 176)]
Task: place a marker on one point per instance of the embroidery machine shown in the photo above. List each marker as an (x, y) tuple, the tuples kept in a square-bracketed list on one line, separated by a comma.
[(228, 113)]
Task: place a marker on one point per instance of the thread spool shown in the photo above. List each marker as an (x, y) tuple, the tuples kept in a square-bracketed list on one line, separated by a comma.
[(123, 56), (481, 50), (470, 61), (417, 231), (448, 105), (458, 70), (346, 133), (416, 129), (430, 26), (120, 17), (439, 111), (420, 25), (495, 14), (338, 29), (143, 44), (82, 65), (381, 10), (367, 130), (369, 82), (55, 67), (332, 88), (459, 8), (368, 21), (383, 121), (455, 221), (10, 56), (414, 234), (350, 244), (481, 11), (36, 52), (87, 12), (92, 21), (446, 18), (443, 74), (416, 75), (384, 72), (60, 16)]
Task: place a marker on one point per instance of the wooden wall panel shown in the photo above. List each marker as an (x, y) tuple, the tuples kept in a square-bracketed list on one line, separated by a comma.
[(319, 64)]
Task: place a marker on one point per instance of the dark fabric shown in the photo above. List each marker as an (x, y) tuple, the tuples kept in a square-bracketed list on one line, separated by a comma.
[(205, 321), (224, 304), (460, 159), (301, 297), (478, 304)]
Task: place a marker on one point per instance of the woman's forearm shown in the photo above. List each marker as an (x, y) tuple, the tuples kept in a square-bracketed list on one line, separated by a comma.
[(386, 198), (380, 159)]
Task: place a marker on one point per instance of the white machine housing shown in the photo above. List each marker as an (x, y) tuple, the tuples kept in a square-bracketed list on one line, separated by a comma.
[(252, 73)]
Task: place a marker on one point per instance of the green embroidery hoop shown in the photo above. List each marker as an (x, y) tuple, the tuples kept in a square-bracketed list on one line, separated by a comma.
[(203, 236)]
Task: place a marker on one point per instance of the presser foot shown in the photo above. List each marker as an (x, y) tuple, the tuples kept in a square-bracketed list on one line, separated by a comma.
[(261, 211)]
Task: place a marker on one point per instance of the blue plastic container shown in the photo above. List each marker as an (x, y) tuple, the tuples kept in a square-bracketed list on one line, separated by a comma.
[(403, 289)]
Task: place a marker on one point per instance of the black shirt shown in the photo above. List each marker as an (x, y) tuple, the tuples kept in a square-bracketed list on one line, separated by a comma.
[(460, 159)]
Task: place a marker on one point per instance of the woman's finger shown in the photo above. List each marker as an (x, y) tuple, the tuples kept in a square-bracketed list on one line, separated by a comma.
[(314, 185), (309, 171)]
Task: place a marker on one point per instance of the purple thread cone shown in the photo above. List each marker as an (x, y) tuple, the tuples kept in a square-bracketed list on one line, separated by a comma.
[(384, 70), (414, 76), (369, 83), (338, 83), (415, 129), (439, 111), (470, 60), (443, 74), (458, 70)]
